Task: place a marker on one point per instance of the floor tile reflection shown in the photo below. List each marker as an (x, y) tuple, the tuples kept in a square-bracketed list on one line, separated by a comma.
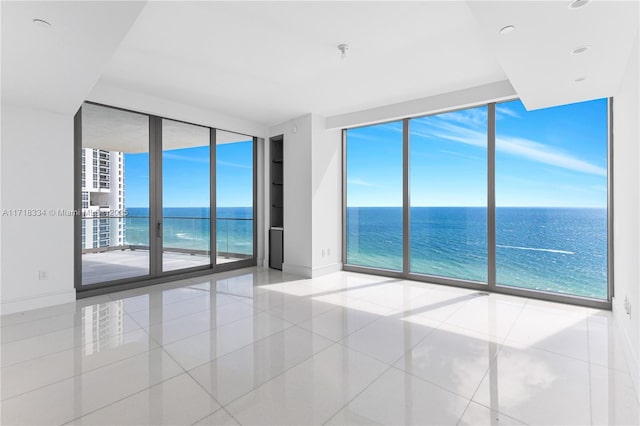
[(400, 398), (260, 346)]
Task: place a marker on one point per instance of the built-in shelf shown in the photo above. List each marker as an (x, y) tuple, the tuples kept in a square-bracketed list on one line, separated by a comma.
[(276, 241), (276, 154)]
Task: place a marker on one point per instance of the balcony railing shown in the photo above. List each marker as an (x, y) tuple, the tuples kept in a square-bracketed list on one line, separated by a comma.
[(188, 235)]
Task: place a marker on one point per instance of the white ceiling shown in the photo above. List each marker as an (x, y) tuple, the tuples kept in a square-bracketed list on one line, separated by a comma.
[(270, 61), (55, 68), (273, 61), (537, 57)]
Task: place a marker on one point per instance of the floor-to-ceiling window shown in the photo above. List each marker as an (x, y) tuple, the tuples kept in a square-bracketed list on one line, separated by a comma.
[(551, 198), (145, 189), (448, 193), (114, 185), (493, 197), (234, 197), (186, 195), (374, 196)]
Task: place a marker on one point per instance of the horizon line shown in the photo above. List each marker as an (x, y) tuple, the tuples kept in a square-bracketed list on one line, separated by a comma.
[(485, 207)]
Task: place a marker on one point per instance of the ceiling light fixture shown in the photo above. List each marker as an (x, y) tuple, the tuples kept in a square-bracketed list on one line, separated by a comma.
[(576, 4), (579, 50), (42, 23), (580, 79), (343, 47), (507, 29)]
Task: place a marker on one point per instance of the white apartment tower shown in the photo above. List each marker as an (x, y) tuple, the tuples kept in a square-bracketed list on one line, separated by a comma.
[(102, 198)]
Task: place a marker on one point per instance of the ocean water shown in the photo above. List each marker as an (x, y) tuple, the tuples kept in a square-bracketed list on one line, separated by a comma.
[(189, 228), (562, 250)]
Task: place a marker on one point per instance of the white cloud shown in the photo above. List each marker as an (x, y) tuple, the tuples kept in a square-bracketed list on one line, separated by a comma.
[(359, 182), (518, 147), (363, 137), (460, 134), (501, 111), (230, 164), (459, 154), (185, 158), (475, 117), (544, 154), (394, 127)]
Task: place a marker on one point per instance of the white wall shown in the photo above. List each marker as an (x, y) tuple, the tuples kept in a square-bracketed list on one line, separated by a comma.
[(312, 196), (326, 193), (37, 173), (626, 233), (1, 203), (297, 194)]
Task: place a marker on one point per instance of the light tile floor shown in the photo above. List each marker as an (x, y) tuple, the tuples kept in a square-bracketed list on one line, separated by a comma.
[(261, 347)]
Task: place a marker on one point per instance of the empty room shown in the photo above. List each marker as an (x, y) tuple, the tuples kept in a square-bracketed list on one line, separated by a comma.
[(320, 212)]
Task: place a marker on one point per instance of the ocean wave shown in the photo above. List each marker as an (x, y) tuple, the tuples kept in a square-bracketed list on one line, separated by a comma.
[(537, 249)]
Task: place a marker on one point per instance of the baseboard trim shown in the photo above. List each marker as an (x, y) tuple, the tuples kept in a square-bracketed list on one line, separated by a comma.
[(326, 269), (632, 362), (293, 269), (21, 304), (308, 272)]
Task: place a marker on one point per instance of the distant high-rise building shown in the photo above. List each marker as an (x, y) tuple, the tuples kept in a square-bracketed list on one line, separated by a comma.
[(102, 198)]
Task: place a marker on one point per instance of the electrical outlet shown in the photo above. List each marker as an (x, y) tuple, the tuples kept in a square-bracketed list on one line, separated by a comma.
[(627, 305), (328, 251), (43, 275), (324, 253)]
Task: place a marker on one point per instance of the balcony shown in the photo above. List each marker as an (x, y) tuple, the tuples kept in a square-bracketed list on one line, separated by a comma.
[(185, 245)]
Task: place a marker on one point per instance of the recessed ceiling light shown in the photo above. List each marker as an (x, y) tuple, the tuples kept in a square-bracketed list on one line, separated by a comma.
[(580, 79), (575, 4), (507, 29), (41, 23), (579, 50)]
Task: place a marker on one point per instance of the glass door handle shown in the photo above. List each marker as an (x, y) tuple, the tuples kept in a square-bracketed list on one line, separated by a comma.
[(159, 229)]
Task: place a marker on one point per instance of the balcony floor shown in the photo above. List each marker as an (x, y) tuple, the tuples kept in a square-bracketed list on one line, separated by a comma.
[(119, 264)]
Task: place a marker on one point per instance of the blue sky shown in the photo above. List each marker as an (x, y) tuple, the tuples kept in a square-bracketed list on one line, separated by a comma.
[(186, 177), (553, 157)]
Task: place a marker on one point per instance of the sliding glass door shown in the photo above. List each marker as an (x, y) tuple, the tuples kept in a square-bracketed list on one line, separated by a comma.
[(114, 185), (234, 197), (146, 187), (186, 196)]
